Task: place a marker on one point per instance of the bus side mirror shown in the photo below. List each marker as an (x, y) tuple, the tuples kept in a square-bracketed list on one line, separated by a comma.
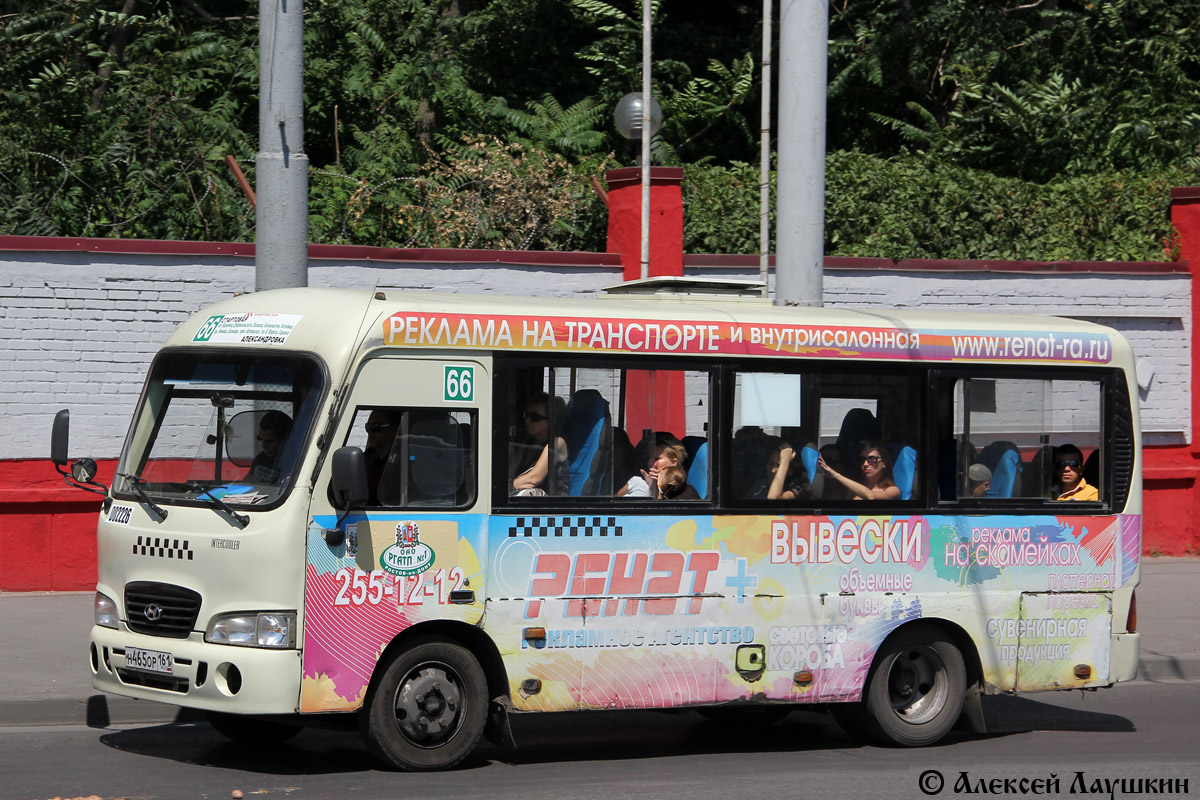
[(349, 478), (350, 488), (58, 437), (83, 472)]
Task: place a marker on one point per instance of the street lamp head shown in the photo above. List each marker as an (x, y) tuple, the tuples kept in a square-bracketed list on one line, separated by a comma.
[(628, 116)]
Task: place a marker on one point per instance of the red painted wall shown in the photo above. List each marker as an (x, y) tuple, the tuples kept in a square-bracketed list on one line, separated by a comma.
[(47, 529), (1169, 474), (666, 220)]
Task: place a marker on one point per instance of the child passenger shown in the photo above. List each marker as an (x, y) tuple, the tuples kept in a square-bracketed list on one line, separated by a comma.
[(672, 482)]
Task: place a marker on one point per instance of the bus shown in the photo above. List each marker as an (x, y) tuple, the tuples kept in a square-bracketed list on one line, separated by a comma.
[(423, 513)]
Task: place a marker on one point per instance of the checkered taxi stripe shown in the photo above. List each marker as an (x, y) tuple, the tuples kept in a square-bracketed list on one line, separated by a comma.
[(162, 547), (565, 526)]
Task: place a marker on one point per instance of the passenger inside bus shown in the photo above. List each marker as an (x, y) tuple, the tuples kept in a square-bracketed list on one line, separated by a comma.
[(785, 479), (979, 480), (273, 431), (1068, 470), (672, 481), (876, 466), (667, 451), (543, 425), (381, 428)]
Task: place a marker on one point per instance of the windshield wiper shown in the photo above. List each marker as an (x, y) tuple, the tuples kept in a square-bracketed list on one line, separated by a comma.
[(136, 482), (217, 504)]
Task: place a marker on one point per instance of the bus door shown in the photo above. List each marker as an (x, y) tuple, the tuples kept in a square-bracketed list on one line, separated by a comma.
[(417, 551)]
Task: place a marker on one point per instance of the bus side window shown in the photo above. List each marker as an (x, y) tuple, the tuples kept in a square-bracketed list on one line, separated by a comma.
[(1020, 422), (416, 458), (569, 430)]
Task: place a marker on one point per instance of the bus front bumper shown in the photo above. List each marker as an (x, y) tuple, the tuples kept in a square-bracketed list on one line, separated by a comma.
[(238, 680)]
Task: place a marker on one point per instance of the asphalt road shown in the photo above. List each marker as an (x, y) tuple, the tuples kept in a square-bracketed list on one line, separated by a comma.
[(1136, 731)]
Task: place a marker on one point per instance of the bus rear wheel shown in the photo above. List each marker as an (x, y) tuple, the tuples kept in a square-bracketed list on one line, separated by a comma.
[(917, 688), (429, 709)]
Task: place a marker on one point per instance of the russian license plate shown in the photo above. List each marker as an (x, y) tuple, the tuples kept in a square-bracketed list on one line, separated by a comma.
[(149, 660)]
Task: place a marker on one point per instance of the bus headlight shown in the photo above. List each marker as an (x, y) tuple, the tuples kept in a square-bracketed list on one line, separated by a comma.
[(105, 610), (275, 629)]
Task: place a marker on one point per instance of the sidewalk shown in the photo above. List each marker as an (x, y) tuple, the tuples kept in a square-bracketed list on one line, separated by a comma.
[(47, 680)]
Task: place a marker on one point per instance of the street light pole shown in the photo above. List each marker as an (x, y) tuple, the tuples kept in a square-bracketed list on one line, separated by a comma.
[(646, 17), (281, 215), (800, 200)]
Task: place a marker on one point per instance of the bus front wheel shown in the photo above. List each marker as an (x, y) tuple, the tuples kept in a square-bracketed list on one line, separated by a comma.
[(917, 689), (429, 708)]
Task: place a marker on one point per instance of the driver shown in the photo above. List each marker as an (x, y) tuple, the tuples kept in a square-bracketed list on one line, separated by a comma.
[(273, 430)]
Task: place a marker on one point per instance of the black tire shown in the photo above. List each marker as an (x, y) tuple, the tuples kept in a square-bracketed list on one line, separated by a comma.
[(917, 687), (746, 716), (429, 708), (249, 729)]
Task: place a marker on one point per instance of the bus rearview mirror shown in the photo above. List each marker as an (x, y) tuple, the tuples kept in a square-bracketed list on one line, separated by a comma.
[(349, 478), (58, 437)]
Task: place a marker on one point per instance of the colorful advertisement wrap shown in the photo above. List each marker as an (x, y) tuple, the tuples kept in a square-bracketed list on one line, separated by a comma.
[(649, 612), (607, 335), (391, 572)]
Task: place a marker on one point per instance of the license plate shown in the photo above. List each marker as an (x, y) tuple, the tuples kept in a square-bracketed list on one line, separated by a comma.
[(149, 660)]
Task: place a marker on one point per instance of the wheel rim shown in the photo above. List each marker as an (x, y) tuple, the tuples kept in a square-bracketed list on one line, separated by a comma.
[(917, 684), (429, 705)]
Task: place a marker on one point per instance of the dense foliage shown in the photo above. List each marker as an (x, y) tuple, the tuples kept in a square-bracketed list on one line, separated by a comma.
[(1035, 129)]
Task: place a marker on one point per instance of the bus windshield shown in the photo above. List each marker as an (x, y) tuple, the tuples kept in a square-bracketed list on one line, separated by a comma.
[(227, 426)]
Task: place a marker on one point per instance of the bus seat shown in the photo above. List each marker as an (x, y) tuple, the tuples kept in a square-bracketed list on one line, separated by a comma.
[(1004, 460), (904, 468), (948, 469), (435, 468), (750, 447), (808, 458), (692, 444), (951, 467), (697, 472), (435, 459), (589, 444), (858, 426), (1091, 469), (1035, 481)]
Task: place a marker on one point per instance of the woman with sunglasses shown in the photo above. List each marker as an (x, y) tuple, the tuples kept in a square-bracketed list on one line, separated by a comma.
[(1068, 471), (538, 427), (877, 483)]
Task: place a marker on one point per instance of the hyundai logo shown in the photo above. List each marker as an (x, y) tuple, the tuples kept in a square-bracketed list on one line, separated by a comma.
[(153, 612)]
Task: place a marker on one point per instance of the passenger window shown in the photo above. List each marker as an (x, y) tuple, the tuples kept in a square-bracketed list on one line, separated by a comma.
[(1021, 438), (417, 458), (607, 432), (816, 438)]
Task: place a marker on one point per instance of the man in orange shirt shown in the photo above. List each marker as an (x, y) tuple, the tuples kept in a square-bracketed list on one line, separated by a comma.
[(1068, 468)]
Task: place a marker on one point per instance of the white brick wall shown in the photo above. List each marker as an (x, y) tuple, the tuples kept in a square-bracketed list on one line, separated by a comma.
[(78, 329)]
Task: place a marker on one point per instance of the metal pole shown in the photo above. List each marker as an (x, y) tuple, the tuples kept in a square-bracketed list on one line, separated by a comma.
[(800, 202), (281, 218), (646, 104), (764, 172)]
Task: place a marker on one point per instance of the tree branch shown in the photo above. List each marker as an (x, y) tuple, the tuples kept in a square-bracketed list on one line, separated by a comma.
[(119, 40)]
